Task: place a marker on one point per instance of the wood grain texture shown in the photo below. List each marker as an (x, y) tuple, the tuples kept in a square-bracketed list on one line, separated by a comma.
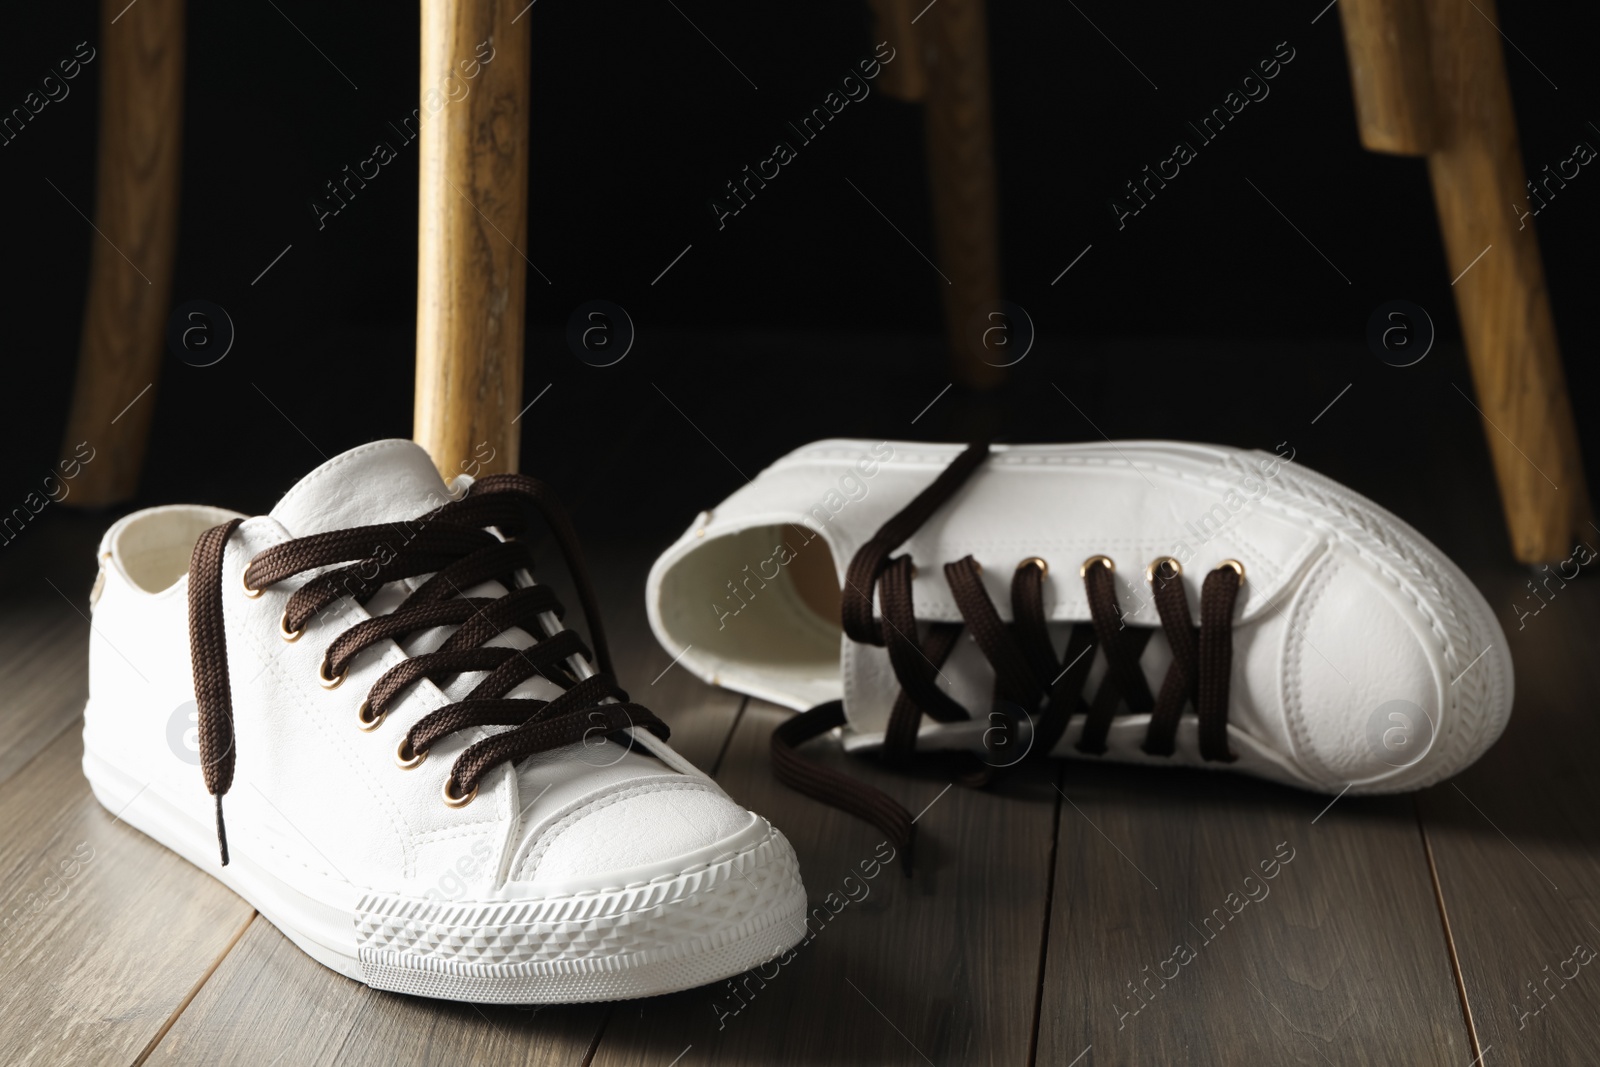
[(43, 675), (130, 266), (44, 631), (940, 968), (961, 174), (1515, 842), (472, 232), (1501, 297), (907, 77), (1387, 45), (105, 932), (270, 1003), (1338, 958)]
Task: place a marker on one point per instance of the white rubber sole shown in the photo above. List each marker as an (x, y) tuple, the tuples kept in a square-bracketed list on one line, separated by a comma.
[(704, 925)]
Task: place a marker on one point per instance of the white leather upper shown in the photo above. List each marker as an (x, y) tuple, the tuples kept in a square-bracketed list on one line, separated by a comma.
[(325, 801), (1344, 608)]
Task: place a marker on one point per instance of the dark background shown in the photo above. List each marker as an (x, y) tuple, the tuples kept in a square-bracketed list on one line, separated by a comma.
[(1208, 317)]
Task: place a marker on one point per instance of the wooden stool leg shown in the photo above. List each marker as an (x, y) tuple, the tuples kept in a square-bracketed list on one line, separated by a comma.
[(472, 232), (1462, 119), (962, 175), (130, 268)]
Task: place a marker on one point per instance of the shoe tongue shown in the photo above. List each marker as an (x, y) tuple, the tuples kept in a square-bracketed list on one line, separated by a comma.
[(386, 481)]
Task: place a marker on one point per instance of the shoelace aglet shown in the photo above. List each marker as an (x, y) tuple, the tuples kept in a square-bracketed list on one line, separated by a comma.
[(222, 832)]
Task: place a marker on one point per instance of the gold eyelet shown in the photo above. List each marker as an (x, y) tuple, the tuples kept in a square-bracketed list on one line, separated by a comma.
[(1035, 561), (322, 676), (406, 758), (284, 632), (1236, 566), (1155, 565), (367, 721), (1105, 561), (455, 800), (249, 590)]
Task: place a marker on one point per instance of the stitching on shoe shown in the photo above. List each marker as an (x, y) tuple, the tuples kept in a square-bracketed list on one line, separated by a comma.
[(291, 858), (1464, 723), (383, 799), (340, 461), (448, 833), (528, 868), (579, 804), (1012, 459), (1318, 583), (276, 665), (1256, 560)]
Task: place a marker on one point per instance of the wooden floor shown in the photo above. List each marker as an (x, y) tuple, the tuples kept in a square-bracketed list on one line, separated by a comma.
[(1439, 928)]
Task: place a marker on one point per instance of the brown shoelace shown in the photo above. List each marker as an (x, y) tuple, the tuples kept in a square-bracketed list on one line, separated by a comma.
[(453, 544), (1029, 678)]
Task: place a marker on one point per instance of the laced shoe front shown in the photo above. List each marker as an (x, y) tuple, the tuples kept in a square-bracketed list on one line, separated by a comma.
[(403, 759), (925, 590)]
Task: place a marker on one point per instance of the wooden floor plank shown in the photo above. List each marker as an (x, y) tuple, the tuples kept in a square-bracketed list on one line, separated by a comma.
[(268, 999), (45, 577), (1515, 841), (269, 1003), (1339, 957), (43, 676), (103, 933), (940, 968)]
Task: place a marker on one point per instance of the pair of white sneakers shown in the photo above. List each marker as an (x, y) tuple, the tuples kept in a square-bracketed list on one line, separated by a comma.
[(362, 714)]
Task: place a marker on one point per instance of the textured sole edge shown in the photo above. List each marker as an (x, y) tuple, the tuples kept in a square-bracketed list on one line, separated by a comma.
[(328, 932), (709, 959)]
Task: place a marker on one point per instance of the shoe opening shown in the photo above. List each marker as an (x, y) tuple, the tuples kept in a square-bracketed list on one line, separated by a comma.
[(153, 546), (759, 611)]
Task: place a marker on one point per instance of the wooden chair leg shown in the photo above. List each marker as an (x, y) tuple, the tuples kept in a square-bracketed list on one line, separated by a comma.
[(894, 23), (1387, 45), (961, 173), (130, 268), (472, 232), (1460, 117)]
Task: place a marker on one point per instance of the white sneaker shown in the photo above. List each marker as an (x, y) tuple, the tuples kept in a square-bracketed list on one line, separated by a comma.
[(419, 793), (1322, 642)]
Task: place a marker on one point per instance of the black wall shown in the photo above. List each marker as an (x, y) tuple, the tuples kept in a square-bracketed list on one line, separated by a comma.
[(638, 122)]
